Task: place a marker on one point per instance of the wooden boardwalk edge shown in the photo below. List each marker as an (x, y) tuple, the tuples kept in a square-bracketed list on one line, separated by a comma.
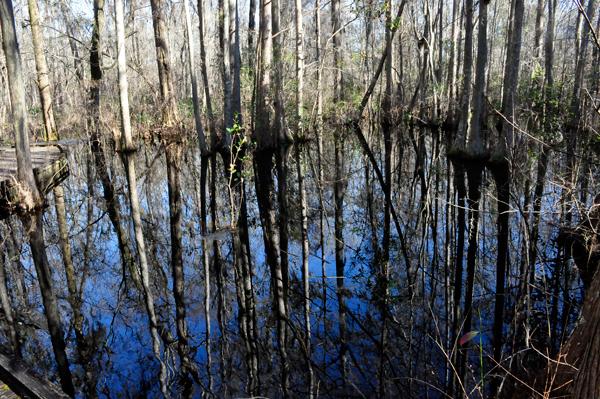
[(24, 381)]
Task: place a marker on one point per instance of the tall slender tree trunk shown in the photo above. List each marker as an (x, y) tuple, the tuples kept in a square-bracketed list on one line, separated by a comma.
[(278, 127), (169, 106), (225, 42), (453, 66), (204, 72), (192, 68), (127, 144), (549, 44), (262, 134), (299, 70), (336, 24), (43, 81)]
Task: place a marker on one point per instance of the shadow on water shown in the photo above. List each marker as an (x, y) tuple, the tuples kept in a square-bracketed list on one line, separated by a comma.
[(259, 343)]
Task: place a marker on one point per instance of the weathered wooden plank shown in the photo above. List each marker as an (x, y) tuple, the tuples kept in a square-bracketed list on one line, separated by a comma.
[(6, 393), (40, 156), (24, 381), (49, 169)]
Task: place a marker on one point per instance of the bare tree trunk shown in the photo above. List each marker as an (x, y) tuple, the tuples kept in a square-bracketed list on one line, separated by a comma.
[(203, 69), (236, 100), (537, 41), (96, 72), (262, 134), (129, 162), (453, 67), (225, 41), (460, 140), (19, 107), (475, 136), (299, 70), (336, 25), (550, 42), (580, 64), (43, 81), (278, 127), (192, 67), (169, 106)]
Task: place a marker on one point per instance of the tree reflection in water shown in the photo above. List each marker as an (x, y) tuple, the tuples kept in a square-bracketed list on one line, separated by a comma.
[(108, 336)]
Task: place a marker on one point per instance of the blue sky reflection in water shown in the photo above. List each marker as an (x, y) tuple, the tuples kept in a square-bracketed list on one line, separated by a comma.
[(417, 340)]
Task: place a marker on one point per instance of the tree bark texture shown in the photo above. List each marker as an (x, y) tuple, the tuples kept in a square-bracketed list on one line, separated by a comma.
[(43, 81)]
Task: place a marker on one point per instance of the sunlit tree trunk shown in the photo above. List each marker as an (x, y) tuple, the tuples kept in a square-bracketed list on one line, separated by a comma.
[(278, 125), (225, 42), (336, 24), (236, 100), (43, 82), (204, 71), (262, 134), (169, 105), (299, 70), (192, 67)]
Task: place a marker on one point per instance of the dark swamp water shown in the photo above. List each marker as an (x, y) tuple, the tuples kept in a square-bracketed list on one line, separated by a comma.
[(382, 329)]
